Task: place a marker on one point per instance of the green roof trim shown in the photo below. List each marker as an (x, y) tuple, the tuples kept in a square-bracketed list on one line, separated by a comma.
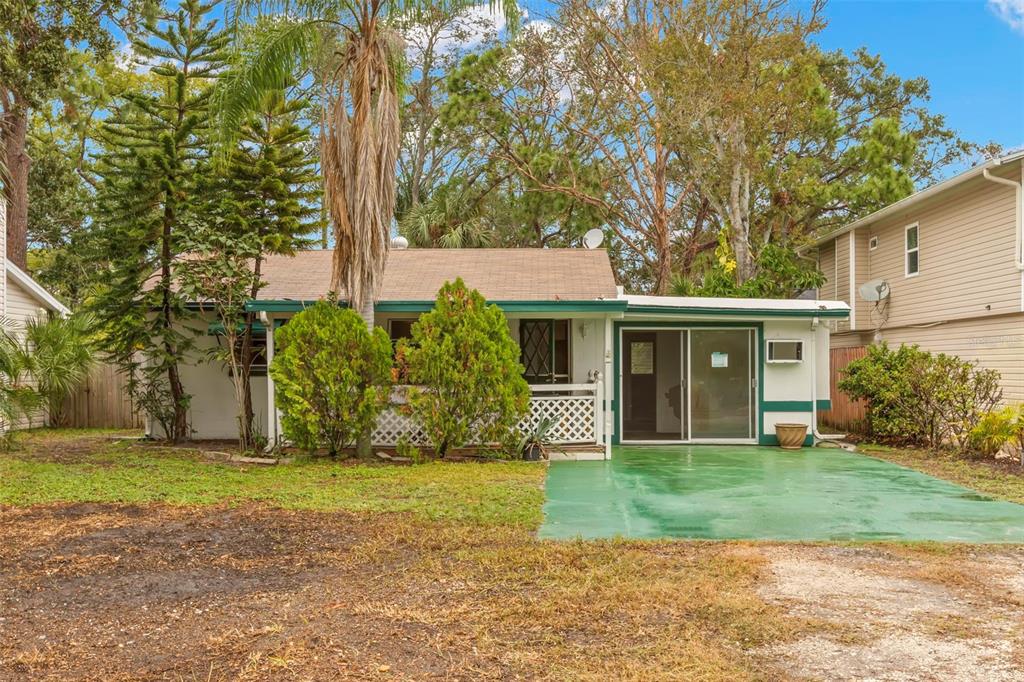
[(735, 312), (609, 305), (217, 327)]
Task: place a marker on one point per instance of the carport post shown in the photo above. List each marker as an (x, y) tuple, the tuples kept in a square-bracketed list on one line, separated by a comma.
[(268, 322), (609, 387)]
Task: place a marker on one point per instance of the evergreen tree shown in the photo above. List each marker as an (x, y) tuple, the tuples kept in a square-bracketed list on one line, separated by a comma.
[(264, 200), (155, 155)]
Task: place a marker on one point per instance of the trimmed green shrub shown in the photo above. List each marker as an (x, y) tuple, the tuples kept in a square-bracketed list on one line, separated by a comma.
[(916, 397), (464, 366), (333, 377), (879, 379)]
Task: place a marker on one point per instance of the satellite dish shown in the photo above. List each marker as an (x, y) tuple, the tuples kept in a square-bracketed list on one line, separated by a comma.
[(875, 290), (593, 238), (399, 242)]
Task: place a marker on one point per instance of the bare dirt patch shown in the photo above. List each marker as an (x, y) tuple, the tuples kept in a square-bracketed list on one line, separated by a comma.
[(898, 615)]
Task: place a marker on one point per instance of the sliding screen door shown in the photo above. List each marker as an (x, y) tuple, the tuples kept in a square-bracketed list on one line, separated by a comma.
[(721, 383)]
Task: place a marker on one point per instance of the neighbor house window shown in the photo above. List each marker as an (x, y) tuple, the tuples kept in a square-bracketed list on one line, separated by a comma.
[(913, 254), (873, 243), (544, 350)]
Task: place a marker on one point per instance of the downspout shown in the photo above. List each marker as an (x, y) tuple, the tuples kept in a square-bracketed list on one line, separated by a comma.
[(818, 437), (1018, 254)]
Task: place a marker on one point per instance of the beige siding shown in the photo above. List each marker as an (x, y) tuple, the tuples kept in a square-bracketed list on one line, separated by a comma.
[(849, 340), (20, 304), (827, 264), (994, 342), (862, 309), (842, 276), (966, 257)]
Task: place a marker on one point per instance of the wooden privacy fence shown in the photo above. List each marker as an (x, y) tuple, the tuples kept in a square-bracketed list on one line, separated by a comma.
[(103, 401), (846, 414)]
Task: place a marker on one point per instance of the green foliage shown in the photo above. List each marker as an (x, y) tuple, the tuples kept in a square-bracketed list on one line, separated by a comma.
[(780, 274), (62, 354), (463, 364), (916, 397), (41, 363), (19, 401), (154, 165), (260, 202), (879, 378), (332, 376), (59, 203), (998, 428)]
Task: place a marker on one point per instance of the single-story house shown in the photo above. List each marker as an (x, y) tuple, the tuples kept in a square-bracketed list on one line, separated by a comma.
[(610, 368)]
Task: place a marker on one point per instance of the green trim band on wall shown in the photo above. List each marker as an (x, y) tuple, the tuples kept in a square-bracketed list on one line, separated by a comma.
[(794, 405), (772, 439), (736, 312), (294, 306)]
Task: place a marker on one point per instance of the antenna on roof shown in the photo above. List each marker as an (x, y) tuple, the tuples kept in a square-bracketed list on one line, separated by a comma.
[(875, 290), (593, 238), (399, 242)]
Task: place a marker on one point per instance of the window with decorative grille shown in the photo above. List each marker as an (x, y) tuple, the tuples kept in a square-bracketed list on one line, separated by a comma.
[(545, 350)]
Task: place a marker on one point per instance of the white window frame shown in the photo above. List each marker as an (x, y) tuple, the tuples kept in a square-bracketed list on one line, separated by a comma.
[(768, 351), (873, 242), (907, 251)]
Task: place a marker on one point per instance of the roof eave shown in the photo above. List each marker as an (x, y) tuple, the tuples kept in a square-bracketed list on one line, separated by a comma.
[(514, 306), (36, 289), (696, 311)]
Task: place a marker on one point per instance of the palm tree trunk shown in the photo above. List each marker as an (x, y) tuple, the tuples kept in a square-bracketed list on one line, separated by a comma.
[(364, 445)]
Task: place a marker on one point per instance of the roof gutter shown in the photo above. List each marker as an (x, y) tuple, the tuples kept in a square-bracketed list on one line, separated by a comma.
[(1018, 253)]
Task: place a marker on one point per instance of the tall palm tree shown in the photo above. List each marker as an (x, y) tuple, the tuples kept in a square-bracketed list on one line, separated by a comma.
[(357, 55)]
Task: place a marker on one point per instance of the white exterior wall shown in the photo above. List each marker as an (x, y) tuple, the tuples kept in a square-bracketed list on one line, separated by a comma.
[(212, 410), (788, 383)]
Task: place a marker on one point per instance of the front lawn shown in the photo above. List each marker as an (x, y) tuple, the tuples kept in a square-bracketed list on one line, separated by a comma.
[(90, 467), (124, 561)]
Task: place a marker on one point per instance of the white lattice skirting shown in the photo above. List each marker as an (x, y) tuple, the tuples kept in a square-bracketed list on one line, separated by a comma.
[(574, 414)]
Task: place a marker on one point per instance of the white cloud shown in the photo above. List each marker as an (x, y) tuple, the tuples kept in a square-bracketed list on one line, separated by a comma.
[(475, 25), (1010, 11)]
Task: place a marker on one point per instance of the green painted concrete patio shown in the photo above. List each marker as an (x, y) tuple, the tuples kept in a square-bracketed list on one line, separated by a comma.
[(705, 491)]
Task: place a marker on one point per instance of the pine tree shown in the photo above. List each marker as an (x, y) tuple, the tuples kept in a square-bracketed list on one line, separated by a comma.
[(264, 201), (156, 150)]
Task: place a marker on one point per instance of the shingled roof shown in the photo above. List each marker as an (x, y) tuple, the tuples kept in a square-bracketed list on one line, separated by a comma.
[(417, 274)]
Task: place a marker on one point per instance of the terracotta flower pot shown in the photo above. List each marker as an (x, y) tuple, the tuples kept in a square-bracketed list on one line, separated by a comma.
[(791, 436)]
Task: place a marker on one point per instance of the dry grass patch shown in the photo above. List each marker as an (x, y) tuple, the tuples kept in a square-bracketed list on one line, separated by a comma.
[(253, 593)]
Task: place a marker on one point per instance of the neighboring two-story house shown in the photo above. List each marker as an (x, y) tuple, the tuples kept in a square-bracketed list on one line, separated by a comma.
[(952, 263)]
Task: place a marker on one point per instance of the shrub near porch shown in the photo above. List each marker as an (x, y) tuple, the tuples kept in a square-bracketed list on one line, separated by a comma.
[(467, 383)]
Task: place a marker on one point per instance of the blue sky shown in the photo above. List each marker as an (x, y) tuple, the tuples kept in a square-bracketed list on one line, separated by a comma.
[(971, 52)]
